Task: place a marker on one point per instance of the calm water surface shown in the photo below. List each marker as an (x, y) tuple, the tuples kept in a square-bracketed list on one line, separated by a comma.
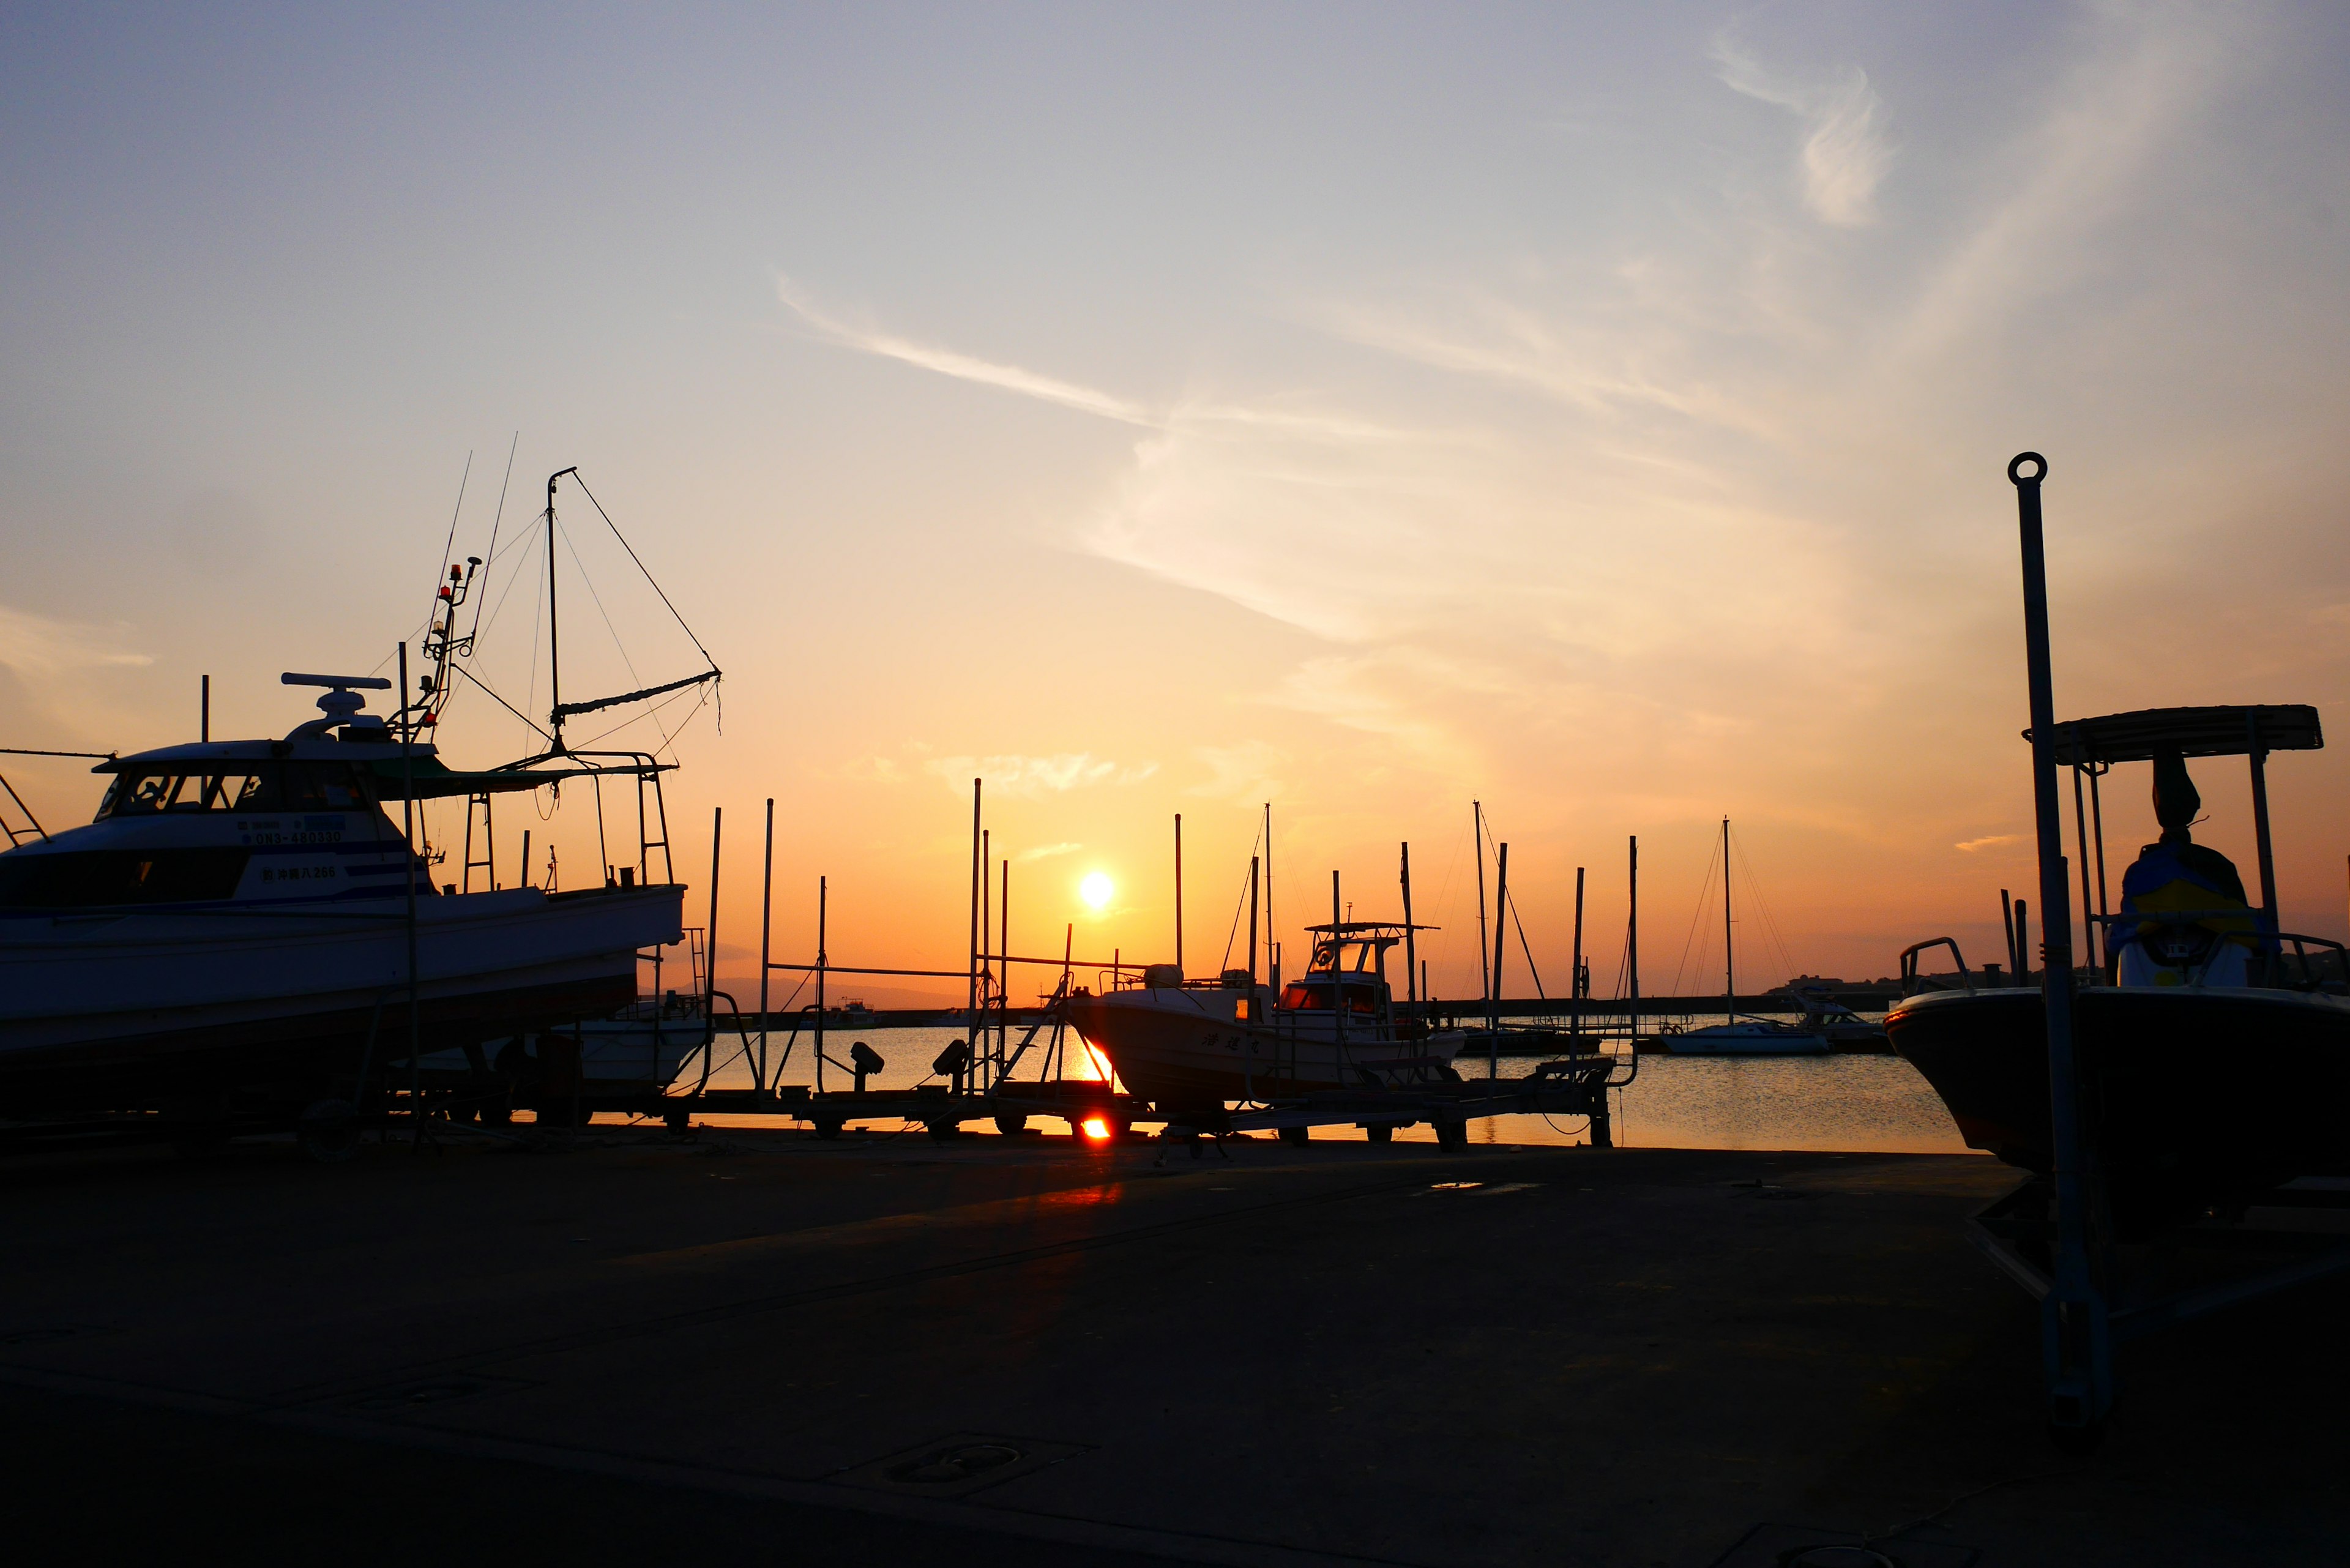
[(1842, 1103)]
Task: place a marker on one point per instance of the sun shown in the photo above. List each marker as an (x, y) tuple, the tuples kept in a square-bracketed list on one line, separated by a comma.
[(1097, 890)]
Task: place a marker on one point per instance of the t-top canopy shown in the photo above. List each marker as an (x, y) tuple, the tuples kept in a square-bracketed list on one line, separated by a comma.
[(2190, 731)]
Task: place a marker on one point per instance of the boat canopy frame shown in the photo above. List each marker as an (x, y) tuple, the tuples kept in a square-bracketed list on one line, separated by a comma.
[(2091, 747)]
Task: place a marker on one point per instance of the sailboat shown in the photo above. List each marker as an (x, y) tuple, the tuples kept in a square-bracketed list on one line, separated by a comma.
[(243, 932), (1734, 1035)]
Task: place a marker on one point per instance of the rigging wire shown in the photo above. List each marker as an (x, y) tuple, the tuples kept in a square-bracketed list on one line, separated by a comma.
[(1241, 903), (615, 527), (1705, 903), (1755, 892), (492, 552)]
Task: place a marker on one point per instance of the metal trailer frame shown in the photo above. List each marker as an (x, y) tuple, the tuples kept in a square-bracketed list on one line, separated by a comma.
[(2052, 1234)]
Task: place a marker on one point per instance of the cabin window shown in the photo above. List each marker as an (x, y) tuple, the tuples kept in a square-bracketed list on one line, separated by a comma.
[(134, 794), (97, 877), (1299, 997), (268, 786)]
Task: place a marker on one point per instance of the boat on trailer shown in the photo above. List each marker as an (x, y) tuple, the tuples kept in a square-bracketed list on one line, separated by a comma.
[(1198, 1044), (2147, 1054), (235, 927), (243, 933)]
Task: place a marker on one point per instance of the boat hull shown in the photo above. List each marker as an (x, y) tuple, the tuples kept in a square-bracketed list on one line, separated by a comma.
[(136, 1008), (1190, 1050), (2161, 1072), (1744, 1040)]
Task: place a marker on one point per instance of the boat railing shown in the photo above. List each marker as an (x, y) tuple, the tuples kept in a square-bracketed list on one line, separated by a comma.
[(1912, 982), (2271, 968)]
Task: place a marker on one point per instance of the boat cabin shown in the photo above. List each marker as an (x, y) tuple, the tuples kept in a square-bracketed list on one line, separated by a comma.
[(1349, 970), (298, 820), (2093, 747)]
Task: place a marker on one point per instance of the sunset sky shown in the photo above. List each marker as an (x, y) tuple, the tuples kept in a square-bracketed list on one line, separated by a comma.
[(1598, 412)]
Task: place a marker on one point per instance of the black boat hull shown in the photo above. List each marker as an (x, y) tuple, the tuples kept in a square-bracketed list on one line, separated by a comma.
[(2190, 1096)]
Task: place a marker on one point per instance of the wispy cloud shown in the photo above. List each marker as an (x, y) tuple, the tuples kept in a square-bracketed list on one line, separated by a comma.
[(1845, 155), (962, 366), (36, 644), (1993, 842), (1033, 777), (1047, 851)]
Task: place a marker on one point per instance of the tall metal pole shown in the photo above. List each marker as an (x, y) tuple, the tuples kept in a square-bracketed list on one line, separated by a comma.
[(1632, 947), (1500, 946), (1410, 953), (1003, 955), (2260, 758), (766, 928), (1179, 892), (2097, 828), (1729, 963), (978, 875), (1337, 973), (2074, 1334), (822, 899), (408, 832), (204, 703), (1251, 942), (2007, 924), (1272, 961), (2081, 838), (1477, 844), (1575, 976), (554, 642), (710, 936)]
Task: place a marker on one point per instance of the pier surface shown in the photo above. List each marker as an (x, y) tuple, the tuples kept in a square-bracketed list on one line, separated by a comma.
[(994, 1351)]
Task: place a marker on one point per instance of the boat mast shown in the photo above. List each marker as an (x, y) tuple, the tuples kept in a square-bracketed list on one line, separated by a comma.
[(1728, 958), (1477, 843), (554, 642), (1410, 953)]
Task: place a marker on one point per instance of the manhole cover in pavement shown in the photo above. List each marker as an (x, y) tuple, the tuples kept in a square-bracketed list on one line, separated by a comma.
[(960, 1463), (1807, 1546)]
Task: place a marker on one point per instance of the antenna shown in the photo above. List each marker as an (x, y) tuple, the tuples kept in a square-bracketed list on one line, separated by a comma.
[(554, 640)]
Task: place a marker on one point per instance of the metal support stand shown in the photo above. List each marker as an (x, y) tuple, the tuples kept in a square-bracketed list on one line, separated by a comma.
[(2076, 1334)]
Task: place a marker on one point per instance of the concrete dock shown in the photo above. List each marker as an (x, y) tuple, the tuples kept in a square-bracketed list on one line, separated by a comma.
[(646, 1348)]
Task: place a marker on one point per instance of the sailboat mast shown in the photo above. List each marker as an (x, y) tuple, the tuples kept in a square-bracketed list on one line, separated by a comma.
[(554, 638), (1728, 960), (1477, 843)]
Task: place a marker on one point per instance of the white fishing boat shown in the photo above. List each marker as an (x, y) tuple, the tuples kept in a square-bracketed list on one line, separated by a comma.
[(237, 920), (1200, 1044), (244, 931), (1736, 1035)]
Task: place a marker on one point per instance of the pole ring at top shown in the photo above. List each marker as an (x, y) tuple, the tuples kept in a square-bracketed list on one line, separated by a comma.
[(2038, 469)]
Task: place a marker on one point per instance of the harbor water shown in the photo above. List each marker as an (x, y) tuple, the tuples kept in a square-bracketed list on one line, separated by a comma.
[(1822, 1103)]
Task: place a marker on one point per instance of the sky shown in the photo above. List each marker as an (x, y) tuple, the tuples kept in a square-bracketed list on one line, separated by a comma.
[(1598, 412)]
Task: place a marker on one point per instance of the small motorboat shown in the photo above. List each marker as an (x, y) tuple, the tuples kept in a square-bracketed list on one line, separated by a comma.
[(2148, 1055), (1200, 1044)]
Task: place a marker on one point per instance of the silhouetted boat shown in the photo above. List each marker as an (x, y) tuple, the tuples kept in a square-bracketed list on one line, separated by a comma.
[(1736, 1036), (234, 924), (1201, 1043), (2152, 1060)]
